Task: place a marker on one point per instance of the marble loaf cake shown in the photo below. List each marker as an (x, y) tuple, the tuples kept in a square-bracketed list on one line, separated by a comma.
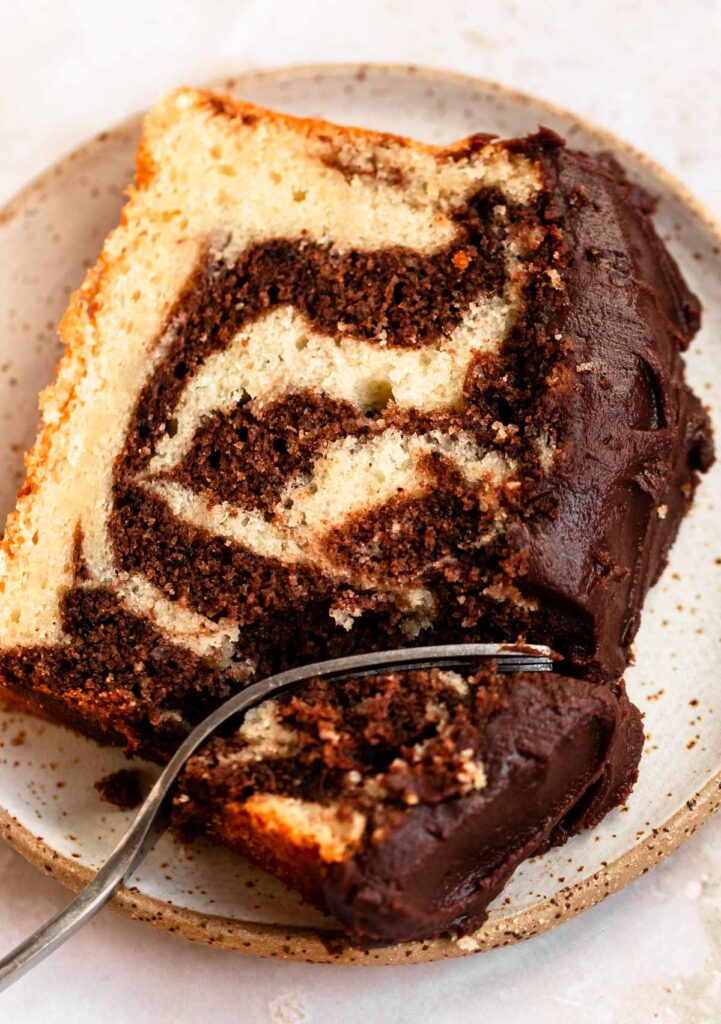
[(328, 390)]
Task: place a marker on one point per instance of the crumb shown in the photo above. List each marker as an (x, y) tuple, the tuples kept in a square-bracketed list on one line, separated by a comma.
[(122, 789)]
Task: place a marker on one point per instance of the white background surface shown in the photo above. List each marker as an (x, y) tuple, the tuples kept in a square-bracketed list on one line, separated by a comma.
[(651, 72)]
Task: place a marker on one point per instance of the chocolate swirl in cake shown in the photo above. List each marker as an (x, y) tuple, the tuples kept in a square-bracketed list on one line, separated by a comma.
[(301, 463)]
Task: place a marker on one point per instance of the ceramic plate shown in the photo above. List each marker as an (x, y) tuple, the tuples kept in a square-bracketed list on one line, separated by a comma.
[(49, 808)]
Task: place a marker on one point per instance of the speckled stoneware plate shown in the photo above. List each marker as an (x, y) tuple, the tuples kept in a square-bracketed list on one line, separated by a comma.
[(49, 808)]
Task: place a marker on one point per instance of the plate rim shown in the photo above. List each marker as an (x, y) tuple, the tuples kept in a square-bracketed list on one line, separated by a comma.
[(312, 944)]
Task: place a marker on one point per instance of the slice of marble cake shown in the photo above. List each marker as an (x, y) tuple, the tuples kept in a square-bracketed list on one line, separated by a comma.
[(328, 390)]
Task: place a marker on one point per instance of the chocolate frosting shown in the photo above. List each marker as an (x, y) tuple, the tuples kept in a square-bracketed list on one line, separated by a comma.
[(634, 434), (443, 865)]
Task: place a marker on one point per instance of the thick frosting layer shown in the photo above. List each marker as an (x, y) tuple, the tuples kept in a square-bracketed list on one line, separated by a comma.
[(446, 864), (634, 436)]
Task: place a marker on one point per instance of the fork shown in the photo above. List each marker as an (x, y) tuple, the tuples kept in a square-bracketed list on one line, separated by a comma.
[(153, 816)]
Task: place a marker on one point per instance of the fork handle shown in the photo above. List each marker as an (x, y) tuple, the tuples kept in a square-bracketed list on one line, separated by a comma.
[(140, 836), (152, 818)]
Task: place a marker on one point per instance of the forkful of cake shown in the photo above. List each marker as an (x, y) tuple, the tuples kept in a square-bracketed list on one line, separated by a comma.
[(398, 789)]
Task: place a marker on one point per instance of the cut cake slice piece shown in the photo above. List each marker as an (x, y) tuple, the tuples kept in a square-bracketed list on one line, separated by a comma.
[(401, 804), (329, 390)]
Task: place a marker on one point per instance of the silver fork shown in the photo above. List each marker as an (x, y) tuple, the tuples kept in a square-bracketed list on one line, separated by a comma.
[(153, 816)]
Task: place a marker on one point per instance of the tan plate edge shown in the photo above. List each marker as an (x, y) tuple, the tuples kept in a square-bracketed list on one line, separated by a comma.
[(307, 944), (310, 945)]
